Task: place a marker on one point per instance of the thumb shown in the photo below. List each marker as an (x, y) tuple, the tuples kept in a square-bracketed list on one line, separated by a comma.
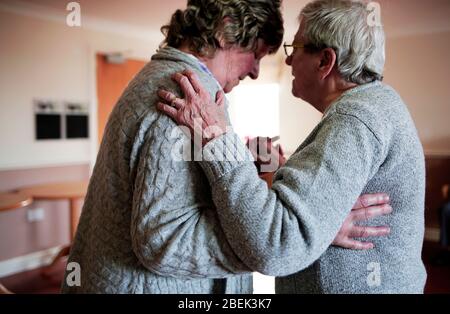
[(280, 149), (220, 98)]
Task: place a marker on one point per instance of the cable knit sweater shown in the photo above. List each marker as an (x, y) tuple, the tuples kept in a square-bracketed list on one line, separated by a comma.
[(149, 224), (365, 143)]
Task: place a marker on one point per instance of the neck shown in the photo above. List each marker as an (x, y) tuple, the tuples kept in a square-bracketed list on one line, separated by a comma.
[(185, 48), (333, 90), (213, 64)]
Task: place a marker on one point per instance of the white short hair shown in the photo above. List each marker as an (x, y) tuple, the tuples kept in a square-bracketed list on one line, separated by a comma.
[(344, 26)]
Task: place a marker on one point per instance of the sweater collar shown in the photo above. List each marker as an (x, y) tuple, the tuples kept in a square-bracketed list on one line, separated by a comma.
[(173, 54), (349, 93)]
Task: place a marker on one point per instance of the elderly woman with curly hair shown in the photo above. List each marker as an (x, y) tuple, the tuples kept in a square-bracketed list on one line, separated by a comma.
[(149, 223)]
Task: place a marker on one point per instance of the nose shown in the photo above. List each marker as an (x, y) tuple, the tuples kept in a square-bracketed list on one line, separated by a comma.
[(255, 71), (288, 60)]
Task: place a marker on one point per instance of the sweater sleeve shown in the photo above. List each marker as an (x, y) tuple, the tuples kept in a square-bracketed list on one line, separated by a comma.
[(283, 230), (174, 227)]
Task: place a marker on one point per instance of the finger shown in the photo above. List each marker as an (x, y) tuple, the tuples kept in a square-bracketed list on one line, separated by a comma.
[(264, 143), (195, 81), (367, 200), (169, 110), (365, 232), (166, 95), (177, 103), (185, 84), (277, 150), (280, 150), (275, 138), (353, 244), (364, 214), (170, 98), (220, 98)]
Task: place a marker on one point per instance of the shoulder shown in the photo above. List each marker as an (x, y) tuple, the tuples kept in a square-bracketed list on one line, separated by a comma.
[(375, 105)]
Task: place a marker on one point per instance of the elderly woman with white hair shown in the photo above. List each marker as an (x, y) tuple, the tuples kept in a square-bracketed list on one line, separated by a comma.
[(366, 142)]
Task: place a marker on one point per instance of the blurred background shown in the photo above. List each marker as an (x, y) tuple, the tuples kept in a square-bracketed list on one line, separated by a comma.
[(58, 84)]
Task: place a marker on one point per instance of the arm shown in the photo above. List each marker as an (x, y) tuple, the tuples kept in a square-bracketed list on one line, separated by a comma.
[(282, 230), (174, 231)]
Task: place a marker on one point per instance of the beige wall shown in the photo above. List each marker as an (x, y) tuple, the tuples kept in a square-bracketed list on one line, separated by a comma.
[(418, 67), (48, 60), (18, 236)]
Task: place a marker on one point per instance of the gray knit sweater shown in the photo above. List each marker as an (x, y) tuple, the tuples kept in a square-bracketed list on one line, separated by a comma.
[(148, 224), (154, 224), (365, 143)]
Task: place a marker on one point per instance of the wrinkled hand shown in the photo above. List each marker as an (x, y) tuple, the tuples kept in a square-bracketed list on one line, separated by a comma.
[(203, 117), (366, 207), (268, 158)]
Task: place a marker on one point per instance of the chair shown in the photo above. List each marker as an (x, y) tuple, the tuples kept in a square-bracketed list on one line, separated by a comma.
[(11, 201), (445, 192), (3, 290)]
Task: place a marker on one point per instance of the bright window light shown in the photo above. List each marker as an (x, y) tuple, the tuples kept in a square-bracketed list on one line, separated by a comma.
[(263, 284), (254, 110)]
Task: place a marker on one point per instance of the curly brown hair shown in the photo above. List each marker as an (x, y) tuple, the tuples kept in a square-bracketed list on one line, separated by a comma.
[(204, 23)]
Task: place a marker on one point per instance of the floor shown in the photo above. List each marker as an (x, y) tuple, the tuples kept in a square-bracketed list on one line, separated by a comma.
[(35, 282)]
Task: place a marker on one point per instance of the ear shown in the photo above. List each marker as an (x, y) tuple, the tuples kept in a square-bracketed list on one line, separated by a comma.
[(223, 44), (327, 62)]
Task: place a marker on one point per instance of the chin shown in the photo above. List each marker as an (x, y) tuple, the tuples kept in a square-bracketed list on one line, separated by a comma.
[(297, 94), (294, 92), (229, 87)]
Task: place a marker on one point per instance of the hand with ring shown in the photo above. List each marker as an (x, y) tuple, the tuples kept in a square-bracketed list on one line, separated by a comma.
[(201, 115)]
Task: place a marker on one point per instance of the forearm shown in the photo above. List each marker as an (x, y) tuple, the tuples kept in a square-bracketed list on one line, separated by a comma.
[(174, 225), (282, 230), (189, 245), (262, 228)]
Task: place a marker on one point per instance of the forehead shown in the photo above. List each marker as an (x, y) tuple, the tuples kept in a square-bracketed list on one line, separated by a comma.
[(300, 31)]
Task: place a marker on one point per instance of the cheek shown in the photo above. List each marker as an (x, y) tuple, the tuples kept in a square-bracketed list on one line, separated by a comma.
[(246, 66)]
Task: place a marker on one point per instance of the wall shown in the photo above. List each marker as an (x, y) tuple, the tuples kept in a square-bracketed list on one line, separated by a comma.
[(20, 237), (49, 60), (418, 67)]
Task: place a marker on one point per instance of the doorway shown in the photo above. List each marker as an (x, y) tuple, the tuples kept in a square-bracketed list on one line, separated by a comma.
[(113, 77)]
